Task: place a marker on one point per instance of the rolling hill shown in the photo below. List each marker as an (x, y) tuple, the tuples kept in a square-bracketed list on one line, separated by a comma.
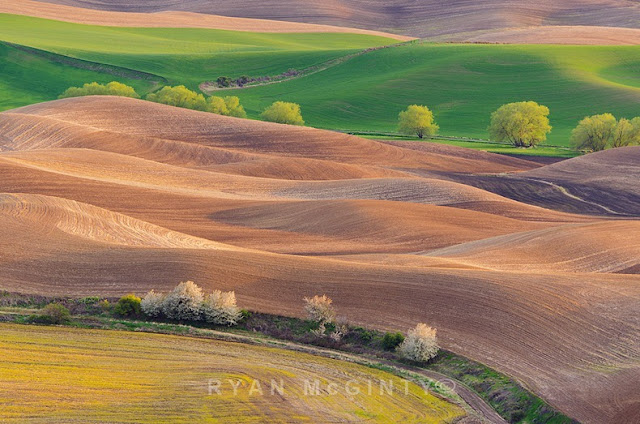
[(172, 20), (598, 183), (105, 196), (450, 20), (463, 84)]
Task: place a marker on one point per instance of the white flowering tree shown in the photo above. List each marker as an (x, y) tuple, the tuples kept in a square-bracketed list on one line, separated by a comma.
[(420, 345), (151, 304), (320, 309), (184, 302), (220, 308)]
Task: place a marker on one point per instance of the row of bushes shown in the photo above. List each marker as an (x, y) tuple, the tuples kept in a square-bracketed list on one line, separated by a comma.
[(526, 124), (523, 124), (187, 302), (181, 96), (600, 132), (226, 82), (419, 345), (113, 88)]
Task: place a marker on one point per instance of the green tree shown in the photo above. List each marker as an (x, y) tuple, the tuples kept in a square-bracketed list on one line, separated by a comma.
[(114, 88), (224, 81), (217, 105), (229, 106), (636, 131), (234, 107), (128, 306), (283, 113), (390, 341), (523, 124), (417, 120), (179, 96), (623, 134), (595, 132)]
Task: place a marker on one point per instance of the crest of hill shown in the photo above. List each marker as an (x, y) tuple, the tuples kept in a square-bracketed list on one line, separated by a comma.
[(608, 178), (594, 247), (587, 35), (138, 119), (171, 18), (617, 169), (457, 20), (68, 218), (600, 184)]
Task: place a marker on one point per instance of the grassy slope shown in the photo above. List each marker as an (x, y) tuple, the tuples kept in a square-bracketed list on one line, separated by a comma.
[(462, 83), (68, 374), (486, 146), (27, 78), (185, 55)]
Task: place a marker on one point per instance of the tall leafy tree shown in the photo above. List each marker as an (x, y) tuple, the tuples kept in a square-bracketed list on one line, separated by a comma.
[(595, 132), (417, 120), (283, 113), (523, 124)]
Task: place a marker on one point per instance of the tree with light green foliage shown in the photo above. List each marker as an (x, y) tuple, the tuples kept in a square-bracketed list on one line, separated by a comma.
[(128, 306), (114, 88), (234, 107), (594, 133), (217, 105), (626, 133), (179, 96), (623, 134), (283, 113), (523, 124), (228, 106), (636, 131), (417, 120)]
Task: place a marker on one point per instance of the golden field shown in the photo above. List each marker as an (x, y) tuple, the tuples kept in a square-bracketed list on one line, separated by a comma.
[(50, 374)]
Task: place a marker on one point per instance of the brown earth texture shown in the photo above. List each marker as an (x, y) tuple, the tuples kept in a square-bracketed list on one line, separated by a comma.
[(508, 21), (105, 196)]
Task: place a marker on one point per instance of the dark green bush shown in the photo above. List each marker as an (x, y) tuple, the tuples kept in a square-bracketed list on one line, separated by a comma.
[(392, 340), (224, 81), (128, 306)]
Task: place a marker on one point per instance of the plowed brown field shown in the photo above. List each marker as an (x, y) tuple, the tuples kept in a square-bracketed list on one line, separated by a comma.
[(177, 18), (105, 195), (510, 21)]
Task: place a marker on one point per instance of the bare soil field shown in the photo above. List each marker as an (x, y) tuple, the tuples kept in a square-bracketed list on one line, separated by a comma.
[(464, 20), (603, 183), (174, 18), (587, 35), (105, 196)]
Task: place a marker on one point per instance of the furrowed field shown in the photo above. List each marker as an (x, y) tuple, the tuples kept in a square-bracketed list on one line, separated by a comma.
[(108, 376), (463, 84)]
